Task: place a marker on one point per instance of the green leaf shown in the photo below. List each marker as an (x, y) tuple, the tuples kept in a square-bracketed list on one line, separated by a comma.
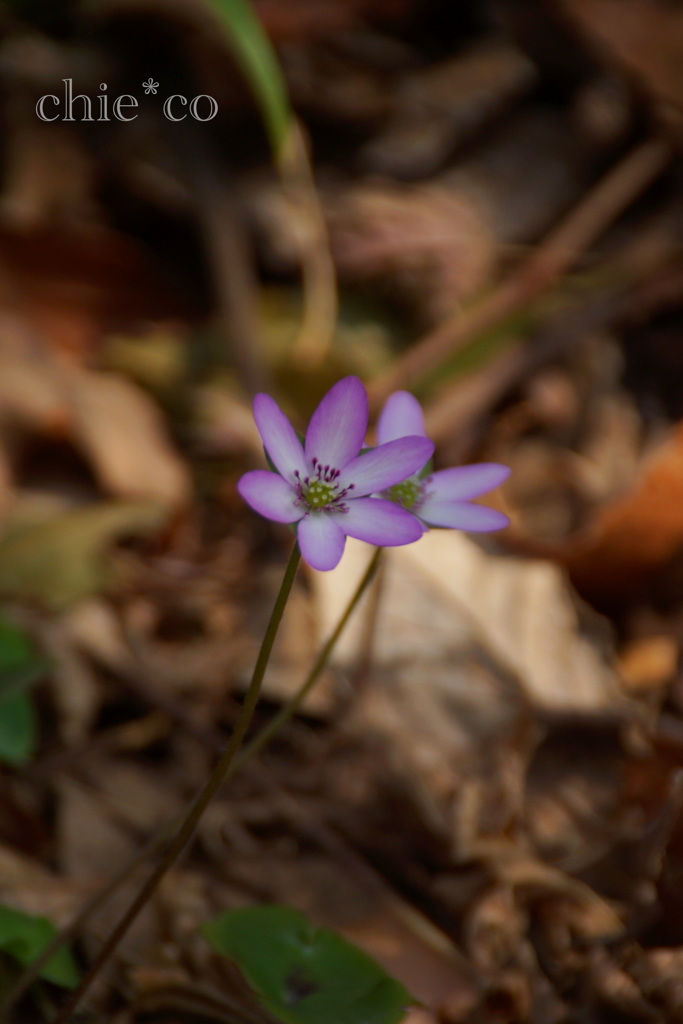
[(257, 59), (20, 665), (18, 729), (305, 975), (23, 936)]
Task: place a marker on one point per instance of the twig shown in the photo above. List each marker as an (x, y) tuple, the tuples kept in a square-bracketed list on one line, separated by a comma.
[(316, 333), (457, 410), (230, 262), (572, 237)]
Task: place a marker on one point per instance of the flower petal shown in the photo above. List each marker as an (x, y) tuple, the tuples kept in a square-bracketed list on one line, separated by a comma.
[(337, 429), (387, 465), (270, 496), (461, 515), (279, 438), (379, 522), (463, 482), (321, 540), (401, 417)]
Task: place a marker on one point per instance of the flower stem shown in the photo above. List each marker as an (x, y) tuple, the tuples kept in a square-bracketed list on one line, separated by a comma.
[(202, 799), (289, 709), (157, 841)]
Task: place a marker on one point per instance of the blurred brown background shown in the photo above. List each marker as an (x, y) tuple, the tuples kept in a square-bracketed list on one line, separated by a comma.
[(484, 207)]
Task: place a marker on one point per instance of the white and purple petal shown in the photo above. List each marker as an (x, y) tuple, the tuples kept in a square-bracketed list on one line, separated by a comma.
[(464, 482), (462, 515), (321, 540), (379, 522), (401, 416), (279, 438), (386, 465), (337, 429), (270, 496)]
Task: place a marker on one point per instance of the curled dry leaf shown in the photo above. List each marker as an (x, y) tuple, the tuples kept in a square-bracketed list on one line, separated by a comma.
[(635, 537), (111, 419)]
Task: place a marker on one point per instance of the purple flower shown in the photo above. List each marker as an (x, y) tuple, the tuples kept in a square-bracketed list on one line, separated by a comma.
[(325, 485), (439, 499)]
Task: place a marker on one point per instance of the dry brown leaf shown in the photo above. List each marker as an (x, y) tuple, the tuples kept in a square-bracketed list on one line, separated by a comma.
[(436, 242), (648, 663), (467, 648), (494, 927), (592, 917), (115, 423), (643, 38), (31, 393), (659, 973), (411, 949), (445, 593), (635, 537), (93, 628), (30, 887), (124, 437)]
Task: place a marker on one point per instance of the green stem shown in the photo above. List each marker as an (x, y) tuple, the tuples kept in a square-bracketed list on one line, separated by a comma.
[(289, 709), (284, 715), (156, 842), (203, 798)]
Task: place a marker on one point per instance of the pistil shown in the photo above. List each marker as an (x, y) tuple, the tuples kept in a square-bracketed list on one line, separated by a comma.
[(409, 493)]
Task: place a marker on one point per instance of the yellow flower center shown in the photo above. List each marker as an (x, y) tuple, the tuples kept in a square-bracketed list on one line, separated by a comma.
[(319, 494)]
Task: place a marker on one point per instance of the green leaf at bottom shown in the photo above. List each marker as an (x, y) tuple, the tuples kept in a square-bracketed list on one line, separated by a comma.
[(305, 975), (23, 936), (18, 729)]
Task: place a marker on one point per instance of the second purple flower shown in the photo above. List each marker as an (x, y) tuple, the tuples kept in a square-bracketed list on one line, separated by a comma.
[(441, 499)]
